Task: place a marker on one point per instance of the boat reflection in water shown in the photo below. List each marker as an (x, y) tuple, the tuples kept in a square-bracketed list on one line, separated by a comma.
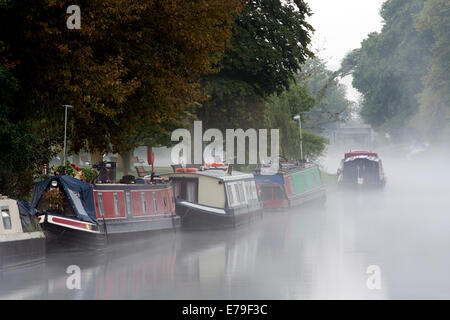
[(264, 260)]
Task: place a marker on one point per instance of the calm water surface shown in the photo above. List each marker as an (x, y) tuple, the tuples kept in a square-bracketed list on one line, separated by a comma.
[(306, 253)]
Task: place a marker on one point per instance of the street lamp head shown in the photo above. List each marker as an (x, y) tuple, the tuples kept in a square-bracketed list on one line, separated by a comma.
[(297, 117), (67, 105)]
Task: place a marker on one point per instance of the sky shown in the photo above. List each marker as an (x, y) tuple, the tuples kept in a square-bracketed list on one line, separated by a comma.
[(340, 27)]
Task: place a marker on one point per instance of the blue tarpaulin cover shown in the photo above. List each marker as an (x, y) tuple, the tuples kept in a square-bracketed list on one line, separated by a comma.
[(79, 193), (28, 216), (269, 179)]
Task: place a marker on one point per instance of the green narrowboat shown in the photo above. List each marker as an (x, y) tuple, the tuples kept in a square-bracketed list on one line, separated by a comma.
[(291, 185)]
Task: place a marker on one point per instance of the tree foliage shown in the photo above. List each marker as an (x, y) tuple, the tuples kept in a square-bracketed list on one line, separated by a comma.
[(131, 72), (133, 64), (22, 147), (268, 45), (331, 104), (320, 102), (435, 17), (390, 65), (403, 70), (433, 118)]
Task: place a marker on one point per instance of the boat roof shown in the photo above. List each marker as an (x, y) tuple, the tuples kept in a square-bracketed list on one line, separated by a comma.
[(370, 158), (286, 168), (215, 173), (360, 153)]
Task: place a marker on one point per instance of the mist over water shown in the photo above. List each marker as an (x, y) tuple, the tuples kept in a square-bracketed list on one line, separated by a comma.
[(309, 252)]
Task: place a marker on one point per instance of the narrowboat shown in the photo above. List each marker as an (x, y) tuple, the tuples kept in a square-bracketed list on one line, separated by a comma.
[(214, 196), (79, 214), (22, 241), (291, 185), (361, 169)]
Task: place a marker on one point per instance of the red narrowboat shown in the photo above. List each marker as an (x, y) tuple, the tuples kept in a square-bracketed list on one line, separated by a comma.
[(76, 213)]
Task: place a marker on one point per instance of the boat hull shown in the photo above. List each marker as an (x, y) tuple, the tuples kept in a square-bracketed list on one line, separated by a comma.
[(67, 236), (290, 189), (364, 186), (70, 236), (23, 249), (202, 217)]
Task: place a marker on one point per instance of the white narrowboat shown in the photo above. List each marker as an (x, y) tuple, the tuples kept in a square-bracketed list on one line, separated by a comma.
[(21, 240), (214, 197)]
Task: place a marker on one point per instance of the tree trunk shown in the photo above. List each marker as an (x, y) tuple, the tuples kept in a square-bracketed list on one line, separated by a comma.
[(96, 157), (125, 161)]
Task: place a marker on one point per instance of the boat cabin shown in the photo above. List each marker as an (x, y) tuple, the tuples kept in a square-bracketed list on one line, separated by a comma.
[(213, 196), (292, 185), (361, 168), (21, 239), (86, 215)]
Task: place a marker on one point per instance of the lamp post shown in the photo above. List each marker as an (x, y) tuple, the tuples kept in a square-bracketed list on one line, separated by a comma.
[(299, 119), (65, 130)]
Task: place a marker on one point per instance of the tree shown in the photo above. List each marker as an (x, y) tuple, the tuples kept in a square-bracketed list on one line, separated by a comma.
[(435, 17), (389, 67), (132, 69), (133, 64), (268, 45), (321, 103), (331, 104), (433, 118), (22, 148)]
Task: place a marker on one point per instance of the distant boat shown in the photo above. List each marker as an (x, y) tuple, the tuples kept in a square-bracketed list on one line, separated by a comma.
[(22, 241), (361, 168), (214, 196), (76, 213), (293, 184)]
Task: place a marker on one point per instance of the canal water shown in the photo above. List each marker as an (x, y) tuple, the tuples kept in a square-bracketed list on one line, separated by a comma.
[(388, 244)]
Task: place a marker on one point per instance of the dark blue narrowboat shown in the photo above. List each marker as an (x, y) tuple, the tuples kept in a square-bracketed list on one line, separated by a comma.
[(361, 169), (79, 214)]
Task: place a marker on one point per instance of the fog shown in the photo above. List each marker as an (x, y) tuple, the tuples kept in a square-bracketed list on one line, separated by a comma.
[(309, 252)]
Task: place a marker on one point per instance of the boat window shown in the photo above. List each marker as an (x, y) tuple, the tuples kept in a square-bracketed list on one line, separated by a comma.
[(116, 204), (190, 191), (248, 189), (177, 189), (101, 209), (128, 199), (144, 204), (278, 193), (230, 194), (255, 193), (292, 182), (314, 179), (241, 191), (6, 217), (155, 206), (305, 182), (236, 192), (266, 192)]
